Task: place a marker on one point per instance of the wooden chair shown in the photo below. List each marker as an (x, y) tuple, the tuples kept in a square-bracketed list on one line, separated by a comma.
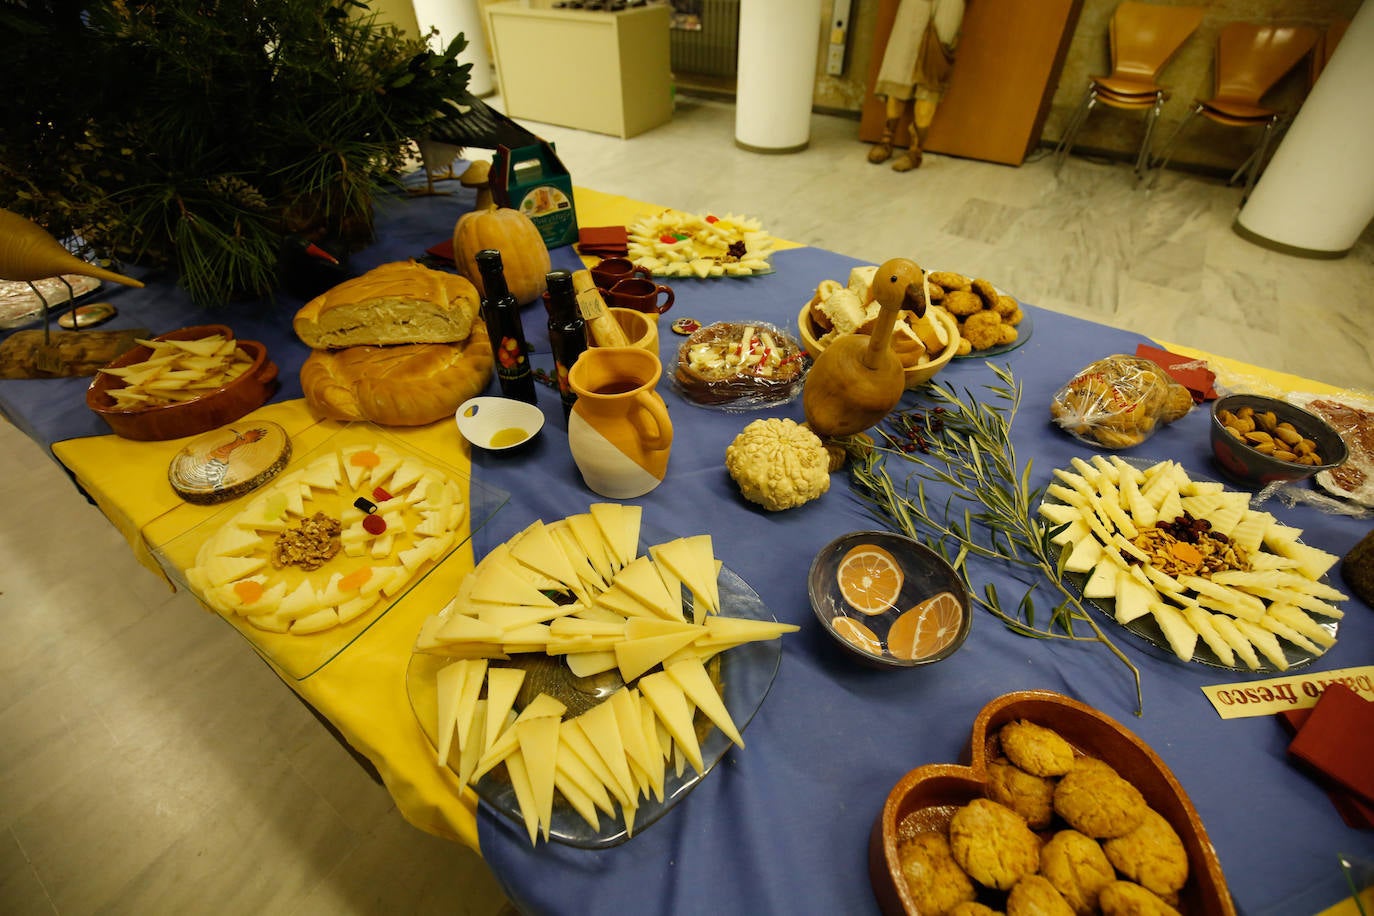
[(1250, 59), (1143, 38)]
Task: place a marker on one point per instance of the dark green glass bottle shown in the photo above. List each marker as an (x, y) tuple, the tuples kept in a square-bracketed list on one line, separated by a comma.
[(502, 314)]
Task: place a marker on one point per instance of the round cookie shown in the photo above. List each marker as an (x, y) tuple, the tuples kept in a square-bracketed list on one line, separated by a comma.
[(1036, 749), (934, 879), (993, 844), (1034, 895), (1028, 795), (1077, 867), (1096, 801), (1152, 855), (972, 908), (1122, 898)]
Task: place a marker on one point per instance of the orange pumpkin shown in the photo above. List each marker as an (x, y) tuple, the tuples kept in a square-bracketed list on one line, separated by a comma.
[(523, 253)]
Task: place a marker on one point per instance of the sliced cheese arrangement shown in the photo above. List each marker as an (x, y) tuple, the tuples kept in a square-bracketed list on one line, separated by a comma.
[(330, 542), (1225, 583), (677, 244), (648, 629)]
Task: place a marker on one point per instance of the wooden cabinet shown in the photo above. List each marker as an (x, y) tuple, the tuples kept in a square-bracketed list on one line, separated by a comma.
[(1005, 72), (598, 71)]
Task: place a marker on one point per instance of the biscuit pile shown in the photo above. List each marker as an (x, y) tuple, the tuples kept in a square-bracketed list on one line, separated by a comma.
[(1057, 834), (987, 318)]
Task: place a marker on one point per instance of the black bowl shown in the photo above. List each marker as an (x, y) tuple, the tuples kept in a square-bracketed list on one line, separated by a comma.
[(1243, 463), (896, 622)]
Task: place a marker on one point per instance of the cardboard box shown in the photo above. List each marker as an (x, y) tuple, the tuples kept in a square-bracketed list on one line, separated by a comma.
[(533, 180)]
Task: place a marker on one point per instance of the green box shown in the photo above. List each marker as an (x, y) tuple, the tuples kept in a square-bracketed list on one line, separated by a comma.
[(533, 180)]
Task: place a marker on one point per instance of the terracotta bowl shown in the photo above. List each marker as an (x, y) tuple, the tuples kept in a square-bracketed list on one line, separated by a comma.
[(915, 376), (188, 418), (1240, 461), (926, 798)]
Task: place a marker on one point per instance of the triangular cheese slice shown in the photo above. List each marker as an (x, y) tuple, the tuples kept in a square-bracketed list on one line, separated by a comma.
[(628, 720), (692, 561), (448, 687), (621, 602), (587, 664), (538, 550), (576, 740), (471, 744), (502, 686), (691, 676), (524, 794), (742, 629), (497, 584), (636, 656), (619, 525), (579, 773), (539, 750), (584, 529), (467, 699), (641, 580), (602, 731), (671, 706)]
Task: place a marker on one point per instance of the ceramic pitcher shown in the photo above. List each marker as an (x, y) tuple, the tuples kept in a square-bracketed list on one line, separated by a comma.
[(619, 430)]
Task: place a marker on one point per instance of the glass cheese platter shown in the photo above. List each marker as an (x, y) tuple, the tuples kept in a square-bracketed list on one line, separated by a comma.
[(306, 563), (742, 676), (1263, 598)]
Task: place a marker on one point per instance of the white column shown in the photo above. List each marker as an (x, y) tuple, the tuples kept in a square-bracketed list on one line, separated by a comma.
[(779, 41), (1317, 195), (451, 17)]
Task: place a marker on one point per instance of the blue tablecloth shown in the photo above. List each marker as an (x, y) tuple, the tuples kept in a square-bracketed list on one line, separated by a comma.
[(782, 826)]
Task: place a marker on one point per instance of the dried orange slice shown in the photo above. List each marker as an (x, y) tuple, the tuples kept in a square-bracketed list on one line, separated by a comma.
[(869, 578), (926, 628), (858, 635)]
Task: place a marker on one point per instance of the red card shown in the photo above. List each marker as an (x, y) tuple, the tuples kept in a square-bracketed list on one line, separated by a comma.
[(443, 250), (603, 240), (1337, 740), (1188, 371), (1352, 810)]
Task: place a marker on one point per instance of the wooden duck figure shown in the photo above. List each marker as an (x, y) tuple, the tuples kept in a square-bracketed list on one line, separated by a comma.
[(858, 379), (28, 252)]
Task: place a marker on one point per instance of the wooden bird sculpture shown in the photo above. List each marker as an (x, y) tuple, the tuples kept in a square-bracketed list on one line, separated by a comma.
[(28, 252), (858, 379)]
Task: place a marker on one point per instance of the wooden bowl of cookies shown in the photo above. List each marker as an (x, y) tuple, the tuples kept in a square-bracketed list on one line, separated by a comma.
[(983, 829), (926, 367)]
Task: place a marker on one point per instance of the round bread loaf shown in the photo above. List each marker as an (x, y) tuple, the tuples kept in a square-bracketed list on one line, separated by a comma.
[(403, 302), (408, 385)]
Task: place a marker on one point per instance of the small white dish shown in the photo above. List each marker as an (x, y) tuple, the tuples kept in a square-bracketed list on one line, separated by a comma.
[(498, 424)]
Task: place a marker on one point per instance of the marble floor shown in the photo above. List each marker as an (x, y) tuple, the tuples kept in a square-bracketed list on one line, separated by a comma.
[(149, 763)]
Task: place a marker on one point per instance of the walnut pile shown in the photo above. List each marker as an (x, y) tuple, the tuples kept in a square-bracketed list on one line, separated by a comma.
[(309, 545)]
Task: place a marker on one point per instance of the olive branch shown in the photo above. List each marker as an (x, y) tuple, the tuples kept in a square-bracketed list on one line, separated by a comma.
[(989, 511)]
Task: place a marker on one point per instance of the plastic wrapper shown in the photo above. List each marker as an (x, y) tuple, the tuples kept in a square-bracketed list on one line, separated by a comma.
[(1118, 402), (740, 365)]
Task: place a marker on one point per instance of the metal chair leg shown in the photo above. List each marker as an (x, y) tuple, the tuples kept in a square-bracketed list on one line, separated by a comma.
[(1142, 157), (1258, 164), (1080, 115), (1162, 161)]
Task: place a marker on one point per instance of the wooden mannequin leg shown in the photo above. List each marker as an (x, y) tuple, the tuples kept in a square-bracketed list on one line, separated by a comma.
[(922, 115), (882, 150)]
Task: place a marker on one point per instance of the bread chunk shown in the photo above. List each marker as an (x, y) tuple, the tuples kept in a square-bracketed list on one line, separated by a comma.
[(403, 302)]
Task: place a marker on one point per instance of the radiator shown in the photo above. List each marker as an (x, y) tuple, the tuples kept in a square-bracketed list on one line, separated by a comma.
[(713, 51)]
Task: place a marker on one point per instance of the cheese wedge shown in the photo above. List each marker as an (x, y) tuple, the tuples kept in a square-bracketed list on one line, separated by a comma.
[(643, 582), (538, 550), (636, 656), (502, 686), (575, 740), (524, 793), (539, 749), (691, 560), (603, 732), (499, 585), (670, 705), (691, 676), (449, 683)]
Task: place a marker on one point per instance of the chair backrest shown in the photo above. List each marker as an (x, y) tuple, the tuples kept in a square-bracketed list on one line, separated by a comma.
[(1145, 35), (1251, 58)]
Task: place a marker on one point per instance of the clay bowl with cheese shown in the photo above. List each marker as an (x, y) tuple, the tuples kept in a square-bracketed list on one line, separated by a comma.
[(211, 410), (926, 798), (915, 376), (1243, 456), (889, 601)]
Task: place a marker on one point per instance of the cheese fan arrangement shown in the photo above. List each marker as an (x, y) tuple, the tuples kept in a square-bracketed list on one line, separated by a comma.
[(1197, 559), (330, 542), (622, 612)]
